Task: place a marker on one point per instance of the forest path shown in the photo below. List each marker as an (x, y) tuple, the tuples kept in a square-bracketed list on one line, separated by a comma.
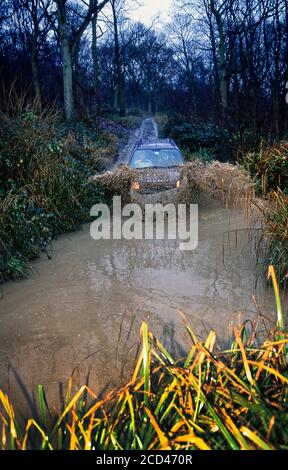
[(147, 130)]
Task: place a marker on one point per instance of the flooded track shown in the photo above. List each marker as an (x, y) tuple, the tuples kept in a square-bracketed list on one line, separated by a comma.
[(83, 309)]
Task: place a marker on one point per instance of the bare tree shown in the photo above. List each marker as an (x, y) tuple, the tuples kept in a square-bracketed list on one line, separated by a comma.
[(32, 20), (69, 46), (181, 34), (95, 62), (117, 7)]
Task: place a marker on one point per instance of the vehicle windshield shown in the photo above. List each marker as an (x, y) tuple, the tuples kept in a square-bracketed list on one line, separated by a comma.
[(161, 158)]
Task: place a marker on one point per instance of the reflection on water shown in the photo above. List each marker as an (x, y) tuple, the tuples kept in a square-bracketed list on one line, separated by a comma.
[(86, 305)]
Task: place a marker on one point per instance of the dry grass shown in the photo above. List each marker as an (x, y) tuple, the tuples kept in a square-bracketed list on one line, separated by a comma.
[(223, 181), (115, 183), (229, 183)]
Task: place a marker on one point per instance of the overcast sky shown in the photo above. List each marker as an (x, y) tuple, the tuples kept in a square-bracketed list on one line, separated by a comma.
[(151, 8)]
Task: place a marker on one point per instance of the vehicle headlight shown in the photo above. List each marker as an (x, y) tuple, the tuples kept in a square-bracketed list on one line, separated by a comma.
[(178, 184), (135, 186)]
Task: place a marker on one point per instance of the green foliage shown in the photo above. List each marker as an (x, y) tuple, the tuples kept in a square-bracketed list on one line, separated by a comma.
[(193, 135), (131, 121), (269, 167), (277, 234), (44, 179), (204, 155), (209, 140)]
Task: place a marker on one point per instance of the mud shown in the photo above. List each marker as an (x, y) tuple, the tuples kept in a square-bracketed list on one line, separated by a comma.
[(147, 130)]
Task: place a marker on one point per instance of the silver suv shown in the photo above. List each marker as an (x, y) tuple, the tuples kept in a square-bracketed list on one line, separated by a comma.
[(157, 165)]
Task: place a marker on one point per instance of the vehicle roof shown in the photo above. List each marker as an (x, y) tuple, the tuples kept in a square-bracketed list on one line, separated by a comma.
[(156, 144)]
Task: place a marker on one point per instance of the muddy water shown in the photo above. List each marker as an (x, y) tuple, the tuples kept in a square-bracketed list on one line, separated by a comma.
[(83, 308)]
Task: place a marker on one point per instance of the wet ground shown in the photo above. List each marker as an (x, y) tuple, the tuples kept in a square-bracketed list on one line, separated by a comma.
[(147, 130), (83, 309)]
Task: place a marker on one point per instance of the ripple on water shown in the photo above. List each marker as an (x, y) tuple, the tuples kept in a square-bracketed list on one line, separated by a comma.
[(90, 299)]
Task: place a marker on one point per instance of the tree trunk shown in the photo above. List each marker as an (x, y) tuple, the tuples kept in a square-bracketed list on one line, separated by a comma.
[(120, 77), (215, 81), (66, 61), (35, 75), (156, 107), (115, 97), (222, 69), (77, 89), (150, 102), (95, 82), (192, 97), (222, 62), (277, 76), (190, 81)]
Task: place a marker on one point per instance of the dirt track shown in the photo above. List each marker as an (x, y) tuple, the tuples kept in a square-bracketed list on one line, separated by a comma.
[(147, 130)]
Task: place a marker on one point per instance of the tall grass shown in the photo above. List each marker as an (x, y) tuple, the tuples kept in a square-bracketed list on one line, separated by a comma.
[(234, 399), (277, 233), (44, 179), (269, 168)]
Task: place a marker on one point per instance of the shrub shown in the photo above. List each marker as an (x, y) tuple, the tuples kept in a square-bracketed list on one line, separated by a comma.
[(193, 136), (131, 121), (277, 234), (221, 144), (269, 167), (204, 155), (44, 174)]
